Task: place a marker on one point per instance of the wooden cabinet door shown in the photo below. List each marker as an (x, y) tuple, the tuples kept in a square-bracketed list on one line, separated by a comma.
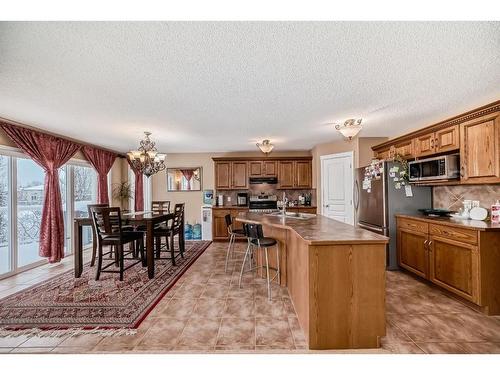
[(255, 169), (222, 175), (286, 174), (269, 168), (239, 175), (405, 149), (303, 177), (479, 150), (383, 154), (307, 210), (454, 265), (219, 229), (412, 252), (424, 145), (447, 139)]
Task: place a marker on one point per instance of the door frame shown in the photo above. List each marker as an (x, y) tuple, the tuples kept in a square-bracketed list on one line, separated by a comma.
[(339, 155)]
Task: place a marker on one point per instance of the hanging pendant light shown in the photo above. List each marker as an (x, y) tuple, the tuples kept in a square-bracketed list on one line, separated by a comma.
[(266, 146), (146, 158), (350, 128)]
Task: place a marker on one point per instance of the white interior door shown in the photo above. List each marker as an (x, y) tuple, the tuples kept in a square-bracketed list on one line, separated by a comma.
[(337, 187)]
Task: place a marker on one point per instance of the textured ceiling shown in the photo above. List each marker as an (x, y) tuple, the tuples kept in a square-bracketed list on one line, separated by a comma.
[(221, 86)]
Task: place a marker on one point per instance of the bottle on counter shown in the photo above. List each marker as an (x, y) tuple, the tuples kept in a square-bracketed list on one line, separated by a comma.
[(495, 212)]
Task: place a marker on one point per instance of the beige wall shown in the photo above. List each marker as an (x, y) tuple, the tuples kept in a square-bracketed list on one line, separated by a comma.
[(194, 199), (362, 154)]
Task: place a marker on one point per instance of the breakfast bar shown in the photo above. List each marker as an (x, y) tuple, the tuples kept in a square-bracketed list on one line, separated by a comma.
[(335, 275)]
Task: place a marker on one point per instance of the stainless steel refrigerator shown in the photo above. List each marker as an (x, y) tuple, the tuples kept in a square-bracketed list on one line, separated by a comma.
[(375, 207)]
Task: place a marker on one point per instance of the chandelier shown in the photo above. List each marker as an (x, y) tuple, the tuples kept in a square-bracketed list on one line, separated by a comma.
[(146, 158), (349, 128), (266, 146)]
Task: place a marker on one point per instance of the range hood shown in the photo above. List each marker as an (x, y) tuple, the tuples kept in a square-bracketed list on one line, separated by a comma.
[(263, 180)]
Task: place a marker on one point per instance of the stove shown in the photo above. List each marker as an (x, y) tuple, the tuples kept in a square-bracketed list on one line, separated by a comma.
[(263, 203), (263, 210)]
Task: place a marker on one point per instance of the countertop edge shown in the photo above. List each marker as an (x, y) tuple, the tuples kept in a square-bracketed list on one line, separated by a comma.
[(450, 222)]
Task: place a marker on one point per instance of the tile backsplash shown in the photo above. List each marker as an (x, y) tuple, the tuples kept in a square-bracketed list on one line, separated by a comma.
[(292, 194), (451, 197)]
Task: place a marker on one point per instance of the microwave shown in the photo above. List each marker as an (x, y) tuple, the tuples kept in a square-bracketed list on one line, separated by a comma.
[(445, 167)]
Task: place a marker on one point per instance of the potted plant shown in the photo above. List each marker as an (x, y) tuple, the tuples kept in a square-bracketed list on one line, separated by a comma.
[(123, 192)]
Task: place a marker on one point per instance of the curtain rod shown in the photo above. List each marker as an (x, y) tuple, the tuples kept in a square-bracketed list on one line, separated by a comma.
[(20, 124)]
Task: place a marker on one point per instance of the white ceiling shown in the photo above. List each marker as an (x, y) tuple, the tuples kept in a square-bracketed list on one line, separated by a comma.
[(219, 86)]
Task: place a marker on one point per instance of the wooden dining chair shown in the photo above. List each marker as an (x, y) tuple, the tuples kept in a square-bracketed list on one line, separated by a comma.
[(94, 235), (109, 231), (168, 231), (160, 206)]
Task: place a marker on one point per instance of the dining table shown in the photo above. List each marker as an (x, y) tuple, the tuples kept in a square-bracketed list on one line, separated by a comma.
[(145, 219)]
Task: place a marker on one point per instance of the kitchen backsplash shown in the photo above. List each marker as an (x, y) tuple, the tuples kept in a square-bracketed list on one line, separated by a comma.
[(451, 197), (258, 189)]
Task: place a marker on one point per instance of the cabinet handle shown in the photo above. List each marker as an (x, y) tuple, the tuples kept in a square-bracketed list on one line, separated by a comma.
[(437, 143), (462, 169), (430, 243), (426, 244), (432, 143)]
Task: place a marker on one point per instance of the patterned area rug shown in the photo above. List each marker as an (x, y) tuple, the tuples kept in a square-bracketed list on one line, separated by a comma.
[(63, 302)]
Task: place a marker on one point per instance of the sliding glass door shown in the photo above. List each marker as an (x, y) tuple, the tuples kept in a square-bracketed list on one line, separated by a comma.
[(5, 254), (21, 201)]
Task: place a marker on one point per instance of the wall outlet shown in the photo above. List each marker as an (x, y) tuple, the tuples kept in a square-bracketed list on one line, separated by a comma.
[(229, 199)]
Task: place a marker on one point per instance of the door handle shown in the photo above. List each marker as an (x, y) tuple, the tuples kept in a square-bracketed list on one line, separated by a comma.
[(327, 205)]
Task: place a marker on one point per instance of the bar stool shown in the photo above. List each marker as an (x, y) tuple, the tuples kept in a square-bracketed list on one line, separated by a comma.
[(257, 240), (233, 234)]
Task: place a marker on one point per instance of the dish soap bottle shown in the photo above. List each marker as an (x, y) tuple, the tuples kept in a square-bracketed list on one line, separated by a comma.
[(495, 212)]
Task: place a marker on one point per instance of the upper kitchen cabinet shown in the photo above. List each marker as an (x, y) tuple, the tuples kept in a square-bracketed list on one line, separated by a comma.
[(258, 168), (479, 150), (443, 140), (231, 175), (239, 175), (295, 174), (405, 149), (286, 174), (292, 173), (222, 175)]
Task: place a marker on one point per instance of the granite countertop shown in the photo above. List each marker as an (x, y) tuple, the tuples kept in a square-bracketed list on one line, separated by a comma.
[(463, 223), (227, 207), (318, 230)]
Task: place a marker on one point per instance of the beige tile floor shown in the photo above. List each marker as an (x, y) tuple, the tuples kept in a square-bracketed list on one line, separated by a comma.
[(207, 312)]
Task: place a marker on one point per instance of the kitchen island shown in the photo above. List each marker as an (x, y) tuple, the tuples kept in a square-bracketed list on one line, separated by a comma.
[(335, 274)]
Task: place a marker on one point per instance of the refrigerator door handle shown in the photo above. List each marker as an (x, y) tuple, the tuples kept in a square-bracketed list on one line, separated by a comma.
[(374, 228), (356, 194)]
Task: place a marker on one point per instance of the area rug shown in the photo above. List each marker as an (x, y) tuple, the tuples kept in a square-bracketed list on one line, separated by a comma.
[(66, 303)]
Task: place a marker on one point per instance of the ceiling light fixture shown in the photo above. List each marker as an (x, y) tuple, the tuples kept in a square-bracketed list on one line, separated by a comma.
[(146, 158), (350, 128), (266, 146)]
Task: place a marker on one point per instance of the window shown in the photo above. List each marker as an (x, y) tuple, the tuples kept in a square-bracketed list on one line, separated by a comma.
[(84, 193), (30, 192), (5, 254), (21, 201)]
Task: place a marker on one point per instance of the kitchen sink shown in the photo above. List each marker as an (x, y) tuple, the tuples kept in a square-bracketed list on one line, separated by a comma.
[(293, 215)]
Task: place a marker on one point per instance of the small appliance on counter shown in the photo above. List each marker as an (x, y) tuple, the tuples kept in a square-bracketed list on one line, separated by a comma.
[(220, 200), (435, 212), (307, 200), (242, 199)]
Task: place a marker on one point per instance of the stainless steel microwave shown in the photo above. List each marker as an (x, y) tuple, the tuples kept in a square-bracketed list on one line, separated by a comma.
[(444, 167)]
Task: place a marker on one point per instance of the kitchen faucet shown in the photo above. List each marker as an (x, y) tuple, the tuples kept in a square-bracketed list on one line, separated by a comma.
[(285, 203)]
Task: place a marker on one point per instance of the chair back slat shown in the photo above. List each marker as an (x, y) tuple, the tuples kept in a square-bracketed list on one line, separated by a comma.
[(160, 206), (178, 217), (107, 221), (253, 231), (90, 206)]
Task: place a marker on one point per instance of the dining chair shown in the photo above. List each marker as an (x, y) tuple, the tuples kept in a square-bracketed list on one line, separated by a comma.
[(94, 235), (109, 231), (168, 231), (160, 206)]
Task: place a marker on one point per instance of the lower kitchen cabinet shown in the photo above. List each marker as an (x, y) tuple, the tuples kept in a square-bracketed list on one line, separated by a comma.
[(460, 259), (455, 266), (219, 229), (413, 251)]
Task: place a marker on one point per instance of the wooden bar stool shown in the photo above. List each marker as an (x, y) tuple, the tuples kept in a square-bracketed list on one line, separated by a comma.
[(233, 234), (257, 240)]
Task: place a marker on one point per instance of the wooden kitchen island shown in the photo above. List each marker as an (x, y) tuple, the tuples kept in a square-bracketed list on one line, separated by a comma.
[(335, 274)]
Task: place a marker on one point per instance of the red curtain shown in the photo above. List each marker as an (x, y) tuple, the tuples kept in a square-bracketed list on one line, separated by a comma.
[(188, 174), (50, 153), (102, 161), (139, 189)]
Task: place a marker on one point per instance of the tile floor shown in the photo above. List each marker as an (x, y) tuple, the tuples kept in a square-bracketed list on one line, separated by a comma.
[(207, 312)]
